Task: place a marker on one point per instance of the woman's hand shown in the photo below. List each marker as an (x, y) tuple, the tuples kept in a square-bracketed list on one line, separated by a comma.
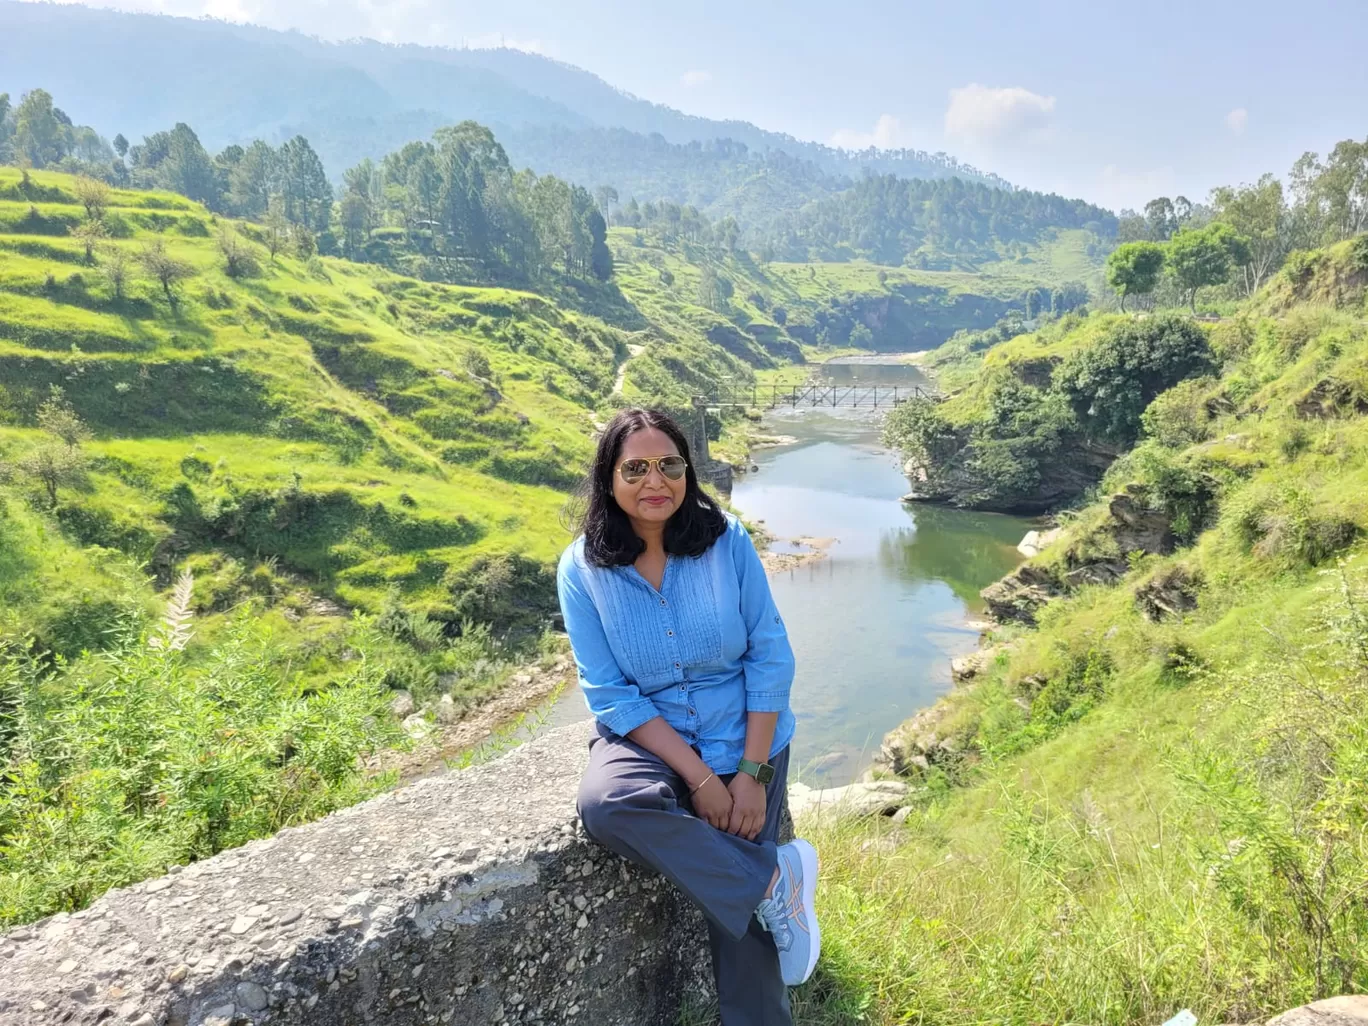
[(747, 807), (713, 803)]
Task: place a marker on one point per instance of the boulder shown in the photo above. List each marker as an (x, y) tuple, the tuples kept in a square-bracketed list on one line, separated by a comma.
[(401, 705), (1037, 542), (1349, 1010), (874, 798)]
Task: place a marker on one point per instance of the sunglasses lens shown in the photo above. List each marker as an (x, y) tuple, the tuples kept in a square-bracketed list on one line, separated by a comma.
[(634, 470), (673, 467)]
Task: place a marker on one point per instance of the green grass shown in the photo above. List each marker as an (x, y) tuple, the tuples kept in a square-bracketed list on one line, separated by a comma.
[(1147, 816)]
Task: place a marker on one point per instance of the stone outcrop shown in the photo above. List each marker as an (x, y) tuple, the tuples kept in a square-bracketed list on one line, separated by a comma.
[(1170, 594), (471, 897), (1349, 1010), (862, 798), (949, 477), (1018, 595), (917, 744), (1100, 558)]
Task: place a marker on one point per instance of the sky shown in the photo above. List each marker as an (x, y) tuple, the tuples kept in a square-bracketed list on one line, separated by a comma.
[(1116, 103)]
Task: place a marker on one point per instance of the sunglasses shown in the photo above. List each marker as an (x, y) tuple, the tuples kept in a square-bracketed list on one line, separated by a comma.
[(671, 467)]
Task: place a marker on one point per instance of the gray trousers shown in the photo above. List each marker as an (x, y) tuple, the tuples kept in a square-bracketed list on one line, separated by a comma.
[(631, 802)]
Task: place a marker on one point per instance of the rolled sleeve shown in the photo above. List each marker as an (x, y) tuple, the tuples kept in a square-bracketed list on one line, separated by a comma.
[(616, 703), (768, 663)]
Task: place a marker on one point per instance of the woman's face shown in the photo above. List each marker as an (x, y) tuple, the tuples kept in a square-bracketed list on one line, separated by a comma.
[(654, 498)]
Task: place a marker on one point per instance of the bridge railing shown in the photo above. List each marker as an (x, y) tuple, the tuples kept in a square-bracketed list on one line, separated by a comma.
[(810, 393)]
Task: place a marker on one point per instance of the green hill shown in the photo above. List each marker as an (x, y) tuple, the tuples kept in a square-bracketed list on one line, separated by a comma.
[(1152, 794), (260, 497)]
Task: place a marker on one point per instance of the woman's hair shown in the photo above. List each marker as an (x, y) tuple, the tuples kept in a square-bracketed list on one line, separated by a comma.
[(609, 539)]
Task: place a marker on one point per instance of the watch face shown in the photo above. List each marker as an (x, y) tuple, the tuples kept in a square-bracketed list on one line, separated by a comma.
[(765, 773)]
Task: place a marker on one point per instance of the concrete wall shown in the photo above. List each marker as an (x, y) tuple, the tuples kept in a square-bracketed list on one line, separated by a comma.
[(467, 898)]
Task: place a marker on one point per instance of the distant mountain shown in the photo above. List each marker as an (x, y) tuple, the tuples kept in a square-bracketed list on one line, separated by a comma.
[(140, 73)]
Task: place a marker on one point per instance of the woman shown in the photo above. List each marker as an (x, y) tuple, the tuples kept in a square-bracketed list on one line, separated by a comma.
[(686, 666)]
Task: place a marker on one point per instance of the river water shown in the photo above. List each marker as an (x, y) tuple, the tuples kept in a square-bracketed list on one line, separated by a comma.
[(874, 624)]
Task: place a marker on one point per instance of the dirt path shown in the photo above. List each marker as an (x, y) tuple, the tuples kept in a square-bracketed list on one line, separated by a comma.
[(633, 352)]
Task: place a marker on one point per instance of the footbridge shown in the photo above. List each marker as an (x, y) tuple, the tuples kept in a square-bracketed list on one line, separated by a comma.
[(814, 393)]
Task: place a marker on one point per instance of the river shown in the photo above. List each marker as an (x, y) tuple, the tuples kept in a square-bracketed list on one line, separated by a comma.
[(874, 624)]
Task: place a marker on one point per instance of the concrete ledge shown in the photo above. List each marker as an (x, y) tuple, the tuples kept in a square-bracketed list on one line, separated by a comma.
[(467, 898)]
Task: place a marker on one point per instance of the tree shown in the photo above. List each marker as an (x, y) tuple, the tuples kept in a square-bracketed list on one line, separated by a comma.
[(249, 179), (606, 197), (355, 218), (304, 185), (600, 257), (1111, 382), (1259, 213), (277, 226), (116, 269), (58, 459), (91, 234), (166, 269), (1205, 256), (1133, 269), (1161, 219), (1341, 188), (187, 168), (238, 259), (92, 194), (39, 136), (120, 145)]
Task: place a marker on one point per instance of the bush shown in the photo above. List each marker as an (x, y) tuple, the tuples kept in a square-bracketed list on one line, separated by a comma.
[(1111, 382), (1179, 417), (507, 592), (1284, 525)]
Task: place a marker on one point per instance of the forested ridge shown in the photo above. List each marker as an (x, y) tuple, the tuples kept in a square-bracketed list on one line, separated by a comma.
[(363, 99)]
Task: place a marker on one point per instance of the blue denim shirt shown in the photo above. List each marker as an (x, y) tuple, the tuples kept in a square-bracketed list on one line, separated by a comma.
[(702, 651)]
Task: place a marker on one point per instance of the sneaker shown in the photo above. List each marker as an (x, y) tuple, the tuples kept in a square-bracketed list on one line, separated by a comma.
[(788, 913)]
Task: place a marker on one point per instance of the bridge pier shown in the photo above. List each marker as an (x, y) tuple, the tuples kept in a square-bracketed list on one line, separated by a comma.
[(717, 473)]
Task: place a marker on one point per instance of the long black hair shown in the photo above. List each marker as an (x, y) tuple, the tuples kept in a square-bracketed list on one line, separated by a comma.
[(608, 536)]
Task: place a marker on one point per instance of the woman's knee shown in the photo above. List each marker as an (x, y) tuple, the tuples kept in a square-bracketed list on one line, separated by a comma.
[(605, 811)]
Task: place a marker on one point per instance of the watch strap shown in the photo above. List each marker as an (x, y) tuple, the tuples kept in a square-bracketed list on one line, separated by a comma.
[(756, 769)]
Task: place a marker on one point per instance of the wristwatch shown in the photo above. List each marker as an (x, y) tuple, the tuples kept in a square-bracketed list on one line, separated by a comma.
[(763, 772)]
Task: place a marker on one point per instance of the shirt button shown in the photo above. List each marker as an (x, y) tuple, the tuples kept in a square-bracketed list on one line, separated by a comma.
[(662, 602), (676, 666), (670, 633)]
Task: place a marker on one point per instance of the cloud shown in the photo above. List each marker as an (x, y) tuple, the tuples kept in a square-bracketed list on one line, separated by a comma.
[(887, 134), (1236, 120), (987, 116), (695, 78)]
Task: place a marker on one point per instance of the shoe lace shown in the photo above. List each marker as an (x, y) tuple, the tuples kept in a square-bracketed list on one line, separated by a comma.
[(775, 913)]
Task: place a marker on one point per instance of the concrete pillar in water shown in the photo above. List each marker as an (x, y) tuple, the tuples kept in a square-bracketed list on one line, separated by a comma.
[(698, 434)]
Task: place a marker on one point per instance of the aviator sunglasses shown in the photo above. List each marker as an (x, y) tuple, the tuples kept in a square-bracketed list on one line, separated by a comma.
[(671, 467)]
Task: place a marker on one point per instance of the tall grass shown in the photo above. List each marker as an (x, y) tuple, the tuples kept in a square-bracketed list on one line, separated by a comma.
[(115, 766)]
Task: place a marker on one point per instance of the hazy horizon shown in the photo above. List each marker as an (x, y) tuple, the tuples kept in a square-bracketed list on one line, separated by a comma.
[(1073, 100)]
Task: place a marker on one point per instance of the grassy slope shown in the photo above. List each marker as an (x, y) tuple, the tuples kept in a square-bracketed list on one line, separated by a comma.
[(339, 381), (1154, 816)]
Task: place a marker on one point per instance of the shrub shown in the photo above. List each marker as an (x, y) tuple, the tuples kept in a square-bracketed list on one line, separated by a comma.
[(1179, 417), (1111, 382)]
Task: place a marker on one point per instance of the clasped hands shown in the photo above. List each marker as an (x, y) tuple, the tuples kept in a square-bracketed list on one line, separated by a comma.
[(738, 807)]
